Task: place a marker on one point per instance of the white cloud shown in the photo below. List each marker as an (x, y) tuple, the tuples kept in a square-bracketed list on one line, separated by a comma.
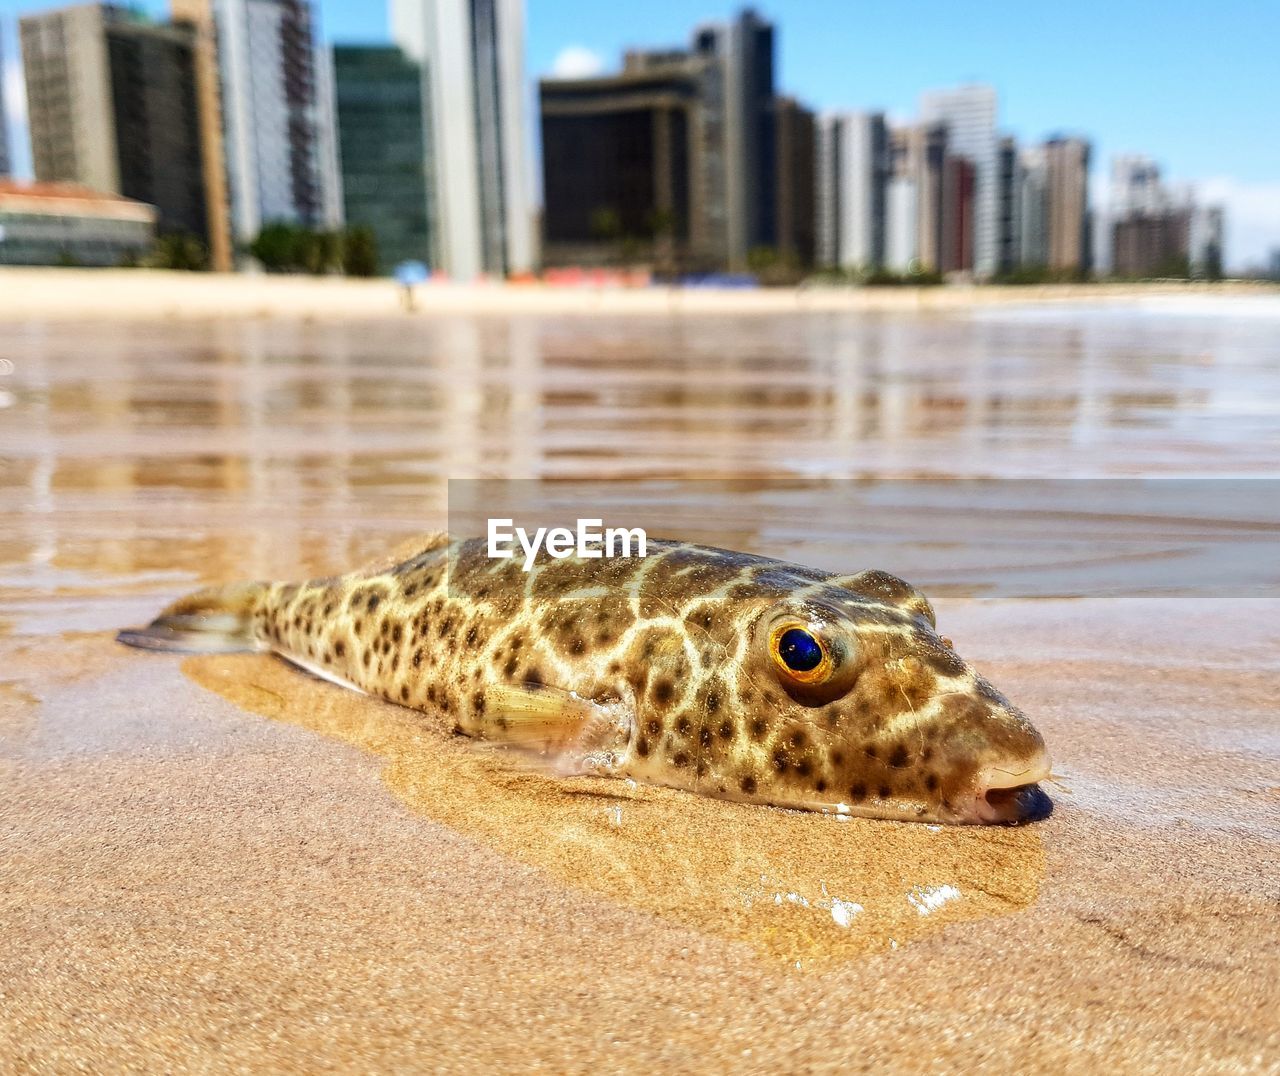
[(1252, 218), (576, 61)]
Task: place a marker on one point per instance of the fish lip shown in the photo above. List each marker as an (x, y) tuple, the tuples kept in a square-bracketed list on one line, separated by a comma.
[(1009, 793)]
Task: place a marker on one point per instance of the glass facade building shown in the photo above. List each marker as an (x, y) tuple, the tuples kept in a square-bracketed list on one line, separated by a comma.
[(381, 149)]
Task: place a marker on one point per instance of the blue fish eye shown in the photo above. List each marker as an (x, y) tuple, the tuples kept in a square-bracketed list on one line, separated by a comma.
[(799, 650)]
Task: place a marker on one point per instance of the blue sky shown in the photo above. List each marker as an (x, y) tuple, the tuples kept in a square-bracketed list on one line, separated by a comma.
[(1194, 85)]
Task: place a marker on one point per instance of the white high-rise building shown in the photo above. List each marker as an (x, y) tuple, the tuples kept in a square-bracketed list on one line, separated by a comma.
[(277, 129), (853, 163), (480, 206), (1033, 207), (902, 226), (969, 113)]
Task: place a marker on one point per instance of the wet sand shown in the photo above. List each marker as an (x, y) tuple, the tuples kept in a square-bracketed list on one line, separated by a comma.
[(220, 863)]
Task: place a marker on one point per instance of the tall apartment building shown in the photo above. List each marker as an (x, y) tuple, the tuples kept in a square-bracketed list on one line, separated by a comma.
[(853, 178), (112, 106), (621, 160), (277, 123), (913, 238), (1067, 190), (381, 149), (689, 137), (796, 186), (969, 113), (6, 162), (480, 208), (1008, 209), (1033, 207), (1205, 235), (197, 16), (959, 198), (739, 119)]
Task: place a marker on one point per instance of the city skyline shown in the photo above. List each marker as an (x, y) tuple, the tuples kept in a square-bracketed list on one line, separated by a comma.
[(1198, 129)]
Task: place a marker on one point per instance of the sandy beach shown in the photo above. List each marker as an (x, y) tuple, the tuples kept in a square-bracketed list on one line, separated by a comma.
[(142, 293), (218, 863)]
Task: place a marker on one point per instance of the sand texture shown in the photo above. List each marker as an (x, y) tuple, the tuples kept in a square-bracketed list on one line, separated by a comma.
[(220, 864)]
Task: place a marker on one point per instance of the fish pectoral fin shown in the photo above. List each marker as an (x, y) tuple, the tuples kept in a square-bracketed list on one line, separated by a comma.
[(574, 735)]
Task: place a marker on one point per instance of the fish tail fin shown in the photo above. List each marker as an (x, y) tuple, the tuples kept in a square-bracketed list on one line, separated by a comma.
[(218, 620)]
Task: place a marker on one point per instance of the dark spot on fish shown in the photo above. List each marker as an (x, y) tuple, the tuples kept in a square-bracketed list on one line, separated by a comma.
[(899, 757), (704, 736), (654, 726), (510, 667), (404, 692), (477, 702), (372, 603), (642, 747), (885, 792), (798, 738), (533, 675), (758, 728), (870, 751), (837, 758), (858, 793), (821, 786), (804, 767), (931, 782), (340, 648), (748, 785), (663, 691), (780, 761), (417, 658), (578, 645), (680, 759), (684, 726), (726, 730), (713, 702)]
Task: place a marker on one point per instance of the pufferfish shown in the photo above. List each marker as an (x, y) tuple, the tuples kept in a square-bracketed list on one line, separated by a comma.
[(721, 673)]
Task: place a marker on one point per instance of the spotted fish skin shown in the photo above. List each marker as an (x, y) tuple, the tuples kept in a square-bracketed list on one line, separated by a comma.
[(660, 669)]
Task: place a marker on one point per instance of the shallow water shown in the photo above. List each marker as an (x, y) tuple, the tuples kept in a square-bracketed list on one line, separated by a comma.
[(141, 460)]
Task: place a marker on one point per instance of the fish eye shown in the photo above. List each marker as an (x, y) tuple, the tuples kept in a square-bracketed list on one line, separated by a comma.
[(800, 654)]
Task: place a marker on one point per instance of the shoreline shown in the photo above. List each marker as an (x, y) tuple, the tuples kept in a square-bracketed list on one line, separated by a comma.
[(82, 294)]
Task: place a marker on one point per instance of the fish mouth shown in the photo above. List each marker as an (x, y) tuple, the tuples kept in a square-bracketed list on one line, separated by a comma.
[(1010, 793)]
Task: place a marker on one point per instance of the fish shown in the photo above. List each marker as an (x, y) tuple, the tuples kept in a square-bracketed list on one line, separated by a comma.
[(721, 673)]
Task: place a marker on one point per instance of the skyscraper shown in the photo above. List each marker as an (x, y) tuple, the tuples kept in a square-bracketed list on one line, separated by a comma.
[(738, 102), (959, 184), (620, 162), (273, 116), (1033, 208), (1008, 217), (112, 106), (6, 165), (197, 15), (913, 238), (471, 53), (852, 184), (796, 186), (970, 115), (378, 93), (1067, 161)]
